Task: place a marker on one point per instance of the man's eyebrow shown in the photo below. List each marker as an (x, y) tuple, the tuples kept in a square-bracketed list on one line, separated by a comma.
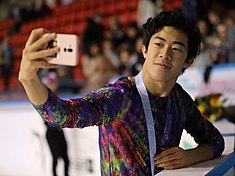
[(179, 43), (160, 38), (175, 42)]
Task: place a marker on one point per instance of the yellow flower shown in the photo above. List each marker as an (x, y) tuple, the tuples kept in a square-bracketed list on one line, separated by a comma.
[(214, 102), (212, 118), (201, 108), (211, 106)]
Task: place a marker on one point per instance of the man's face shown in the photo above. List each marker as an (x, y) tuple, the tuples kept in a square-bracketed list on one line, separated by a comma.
[(166, 55)]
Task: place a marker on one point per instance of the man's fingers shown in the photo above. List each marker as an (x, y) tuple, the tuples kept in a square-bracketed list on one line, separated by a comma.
[(46, 53), (164, 153), (168, 151), (35, 35), (173, 166), (172, 158), (40, 54), (166, 158), (43, 64), (41, 43)]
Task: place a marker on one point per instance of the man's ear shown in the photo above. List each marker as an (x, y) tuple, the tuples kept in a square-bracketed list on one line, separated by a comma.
[(144, 51), (188, 62)]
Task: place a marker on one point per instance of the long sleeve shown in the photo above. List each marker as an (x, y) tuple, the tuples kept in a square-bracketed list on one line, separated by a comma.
[(118, 112), (95, 108), (201, 129)]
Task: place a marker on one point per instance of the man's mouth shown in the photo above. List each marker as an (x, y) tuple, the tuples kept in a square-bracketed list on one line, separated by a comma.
[(163, 65)]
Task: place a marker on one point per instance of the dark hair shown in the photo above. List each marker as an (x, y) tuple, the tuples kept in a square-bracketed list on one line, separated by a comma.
[(178, 20)]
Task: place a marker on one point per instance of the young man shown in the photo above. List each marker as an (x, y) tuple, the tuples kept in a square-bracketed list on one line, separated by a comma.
[(140, 118)]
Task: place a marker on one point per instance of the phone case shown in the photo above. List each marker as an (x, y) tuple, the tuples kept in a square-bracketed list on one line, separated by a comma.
[(68, 54)]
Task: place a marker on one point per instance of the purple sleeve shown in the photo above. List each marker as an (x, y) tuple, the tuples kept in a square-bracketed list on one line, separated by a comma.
[(203, 130), (95, 108)]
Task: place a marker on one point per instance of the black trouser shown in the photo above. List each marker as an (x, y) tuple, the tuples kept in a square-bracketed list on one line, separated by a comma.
[(58, 147)]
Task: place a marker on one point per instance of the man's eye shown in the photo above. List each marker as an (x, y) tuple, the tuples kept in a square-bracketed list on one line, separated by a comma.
[(158, 44), (177, 49)]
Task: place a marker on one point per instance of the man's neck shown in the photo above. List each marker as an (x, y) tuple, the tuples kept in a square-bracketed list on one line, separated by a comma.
[(157, 88)]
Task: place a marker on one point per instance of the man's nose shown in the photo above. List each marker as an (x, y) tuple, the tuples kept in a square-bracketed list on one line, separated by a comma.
[(166, 53)]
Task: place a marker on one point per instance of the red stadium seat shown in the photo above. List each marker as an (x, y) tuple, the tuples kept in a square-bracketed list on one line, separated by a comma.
[(71, 18)]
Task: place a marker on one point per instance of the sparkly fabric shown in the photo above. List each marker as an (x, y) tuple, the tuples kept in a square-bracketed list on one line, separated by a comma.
[(123, 140)]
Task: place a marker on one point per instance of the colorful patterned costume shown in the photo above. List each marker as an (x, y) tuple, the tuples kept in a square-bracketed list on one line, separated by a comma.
[(123, 139)]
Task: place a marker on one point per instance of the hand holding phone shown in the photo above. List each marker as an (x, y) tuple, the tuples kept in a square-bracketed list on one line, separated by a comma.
[(68, 54)]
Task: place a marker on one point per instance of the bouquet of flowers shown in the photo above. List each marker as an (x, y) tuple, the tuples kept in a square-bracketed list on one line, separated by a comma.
[(211, 106)]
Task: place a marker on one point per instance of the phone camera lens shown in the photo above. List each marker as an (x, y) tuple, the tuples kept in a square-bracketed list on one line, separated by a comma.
[(65, 49), (70, 50)]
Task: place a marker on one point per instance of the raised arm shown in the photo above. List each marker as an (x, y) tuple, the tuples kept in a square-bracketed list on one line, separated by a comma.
[(32, 61)]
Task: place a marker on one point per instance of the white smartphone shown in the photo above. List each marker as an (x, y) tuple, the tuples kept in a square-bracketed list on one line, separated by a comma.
[(68, 54)]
